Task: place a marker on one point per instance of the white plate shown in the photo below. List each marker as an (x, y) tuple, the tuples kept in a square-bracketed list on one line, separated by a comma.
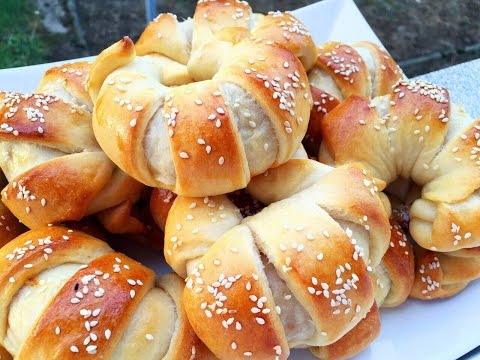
[(440, 330)]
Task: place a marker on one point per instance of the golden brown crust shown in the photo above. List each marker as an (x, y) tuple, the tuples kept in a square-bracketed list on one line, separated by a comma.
[(217, 26), (349, 121), (116, 301), (161, 202), (10, 227), (323, 103), (400, 265), (441, 275), (71, 78), (163, 35), (286, 30), (301, 174), (119, 219), (46, 120), (238, 274), (193, 225), (279, 84), (355, 341), (345, 65), (37, 250), (4, 355), (198, 151), (56, 169), (203, 121), (110, 59), (316, 258), (120, 187), (59, 189), (120, 129), (294, 248), (387, 72), (185, 344), (103, 307), (348, 193)]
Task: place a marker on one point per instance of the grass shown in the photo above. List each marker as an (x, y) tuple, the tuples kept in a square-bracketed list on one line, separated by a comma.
[(20, 43)]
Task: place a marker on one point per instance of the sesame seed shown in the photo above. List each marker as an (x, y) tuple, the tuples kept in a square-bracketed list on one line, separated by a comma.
[(74, 349), (133, 122), (221, 160), (149, 337), (260, 321), (184, 155)]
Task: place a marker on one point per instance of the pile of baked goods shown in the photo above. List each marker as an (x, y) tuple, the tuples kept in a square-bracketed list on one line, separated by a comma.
[(294, 188)]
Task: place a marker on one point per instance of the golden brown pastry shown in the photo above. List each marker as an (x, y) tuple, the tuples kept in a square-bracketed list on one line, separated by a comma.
[(55, 168), (10, 228), (205, 41), (255, 99), (254, 113), (274, 258), (67, 295), (416, 132), (343, 70), (441, 275)]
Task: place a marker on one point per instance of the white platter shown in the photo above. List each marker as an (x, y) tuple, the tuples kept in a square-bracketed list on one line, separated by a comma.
[(440, 330)]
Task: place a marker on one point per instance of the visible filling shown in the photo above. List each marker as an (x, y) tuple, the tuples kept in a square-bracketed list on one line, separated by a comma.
[(150, 329), (29, 303), (254, 126), (382, 283), (298, 324), (157, 149), (323, 80)]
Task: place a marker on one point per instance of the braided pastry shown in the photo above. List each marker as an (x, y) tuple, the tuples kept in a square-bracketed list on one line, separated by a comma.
[(202, 232), (394, 275), (220, 132), (67, 295), (415, 132), (342, 70), (56, 170), (204, 42), (440, 275)]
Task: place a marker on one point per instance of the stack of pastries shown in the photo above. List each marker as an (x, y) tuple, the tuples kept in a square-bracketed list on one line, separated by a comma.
[(297, 189)]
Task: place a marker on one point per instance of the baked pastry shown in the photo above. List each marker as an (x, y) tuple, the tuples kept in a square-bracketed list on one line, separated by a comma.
[(342, 70), (206, 238), (65, 294), (251, 115), (205, 41), (55, 168), (393, 277), (10, 228), (415, 132)]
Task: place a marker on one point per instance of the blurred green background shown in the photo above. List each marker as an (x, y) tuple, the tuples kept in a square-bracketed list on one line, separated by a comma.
[(423, 35)]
